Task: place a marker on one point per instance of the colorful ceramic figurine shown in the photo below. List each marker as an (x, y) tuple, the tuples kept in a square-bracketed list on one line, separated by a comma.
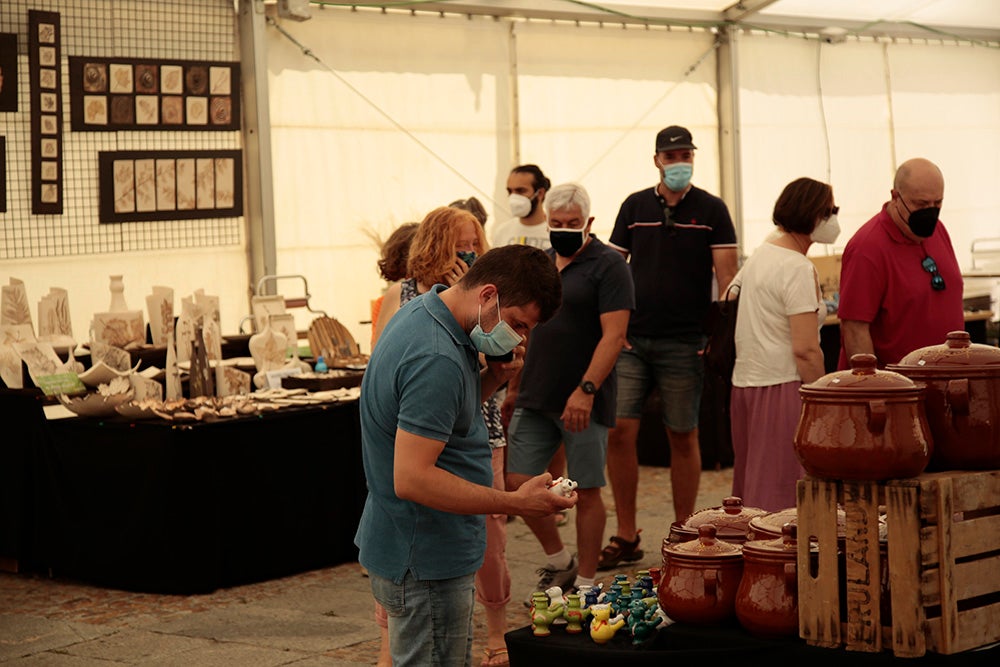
[(642, 620), (543, 613), (591, 596), (602, 626), (575, 614)]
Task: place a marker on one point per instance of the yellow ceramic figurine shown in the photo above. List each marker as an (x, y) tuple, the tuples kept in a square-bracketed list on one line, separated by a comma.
[(602, 626)]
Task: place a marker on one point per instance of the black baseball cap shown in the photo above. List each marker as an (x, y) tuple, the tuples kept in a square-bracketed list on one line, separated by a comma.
[(673, 138)]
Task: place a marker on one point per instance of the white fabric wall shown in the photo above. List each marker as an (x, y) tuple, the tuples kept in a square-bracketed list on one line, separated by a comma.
[(591, 101), (850, 113), (416, 113)]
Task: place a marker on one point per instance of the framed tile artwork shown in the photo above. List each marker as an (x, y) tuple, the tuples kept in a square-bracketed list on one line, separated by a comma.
[(140, 186), (45, 79), (108, 94), (8, 72)]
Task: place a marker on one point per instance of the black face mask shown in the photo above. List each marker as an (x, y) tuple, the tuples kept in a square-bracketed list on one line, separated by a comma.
[(567, 242), (922, 221)]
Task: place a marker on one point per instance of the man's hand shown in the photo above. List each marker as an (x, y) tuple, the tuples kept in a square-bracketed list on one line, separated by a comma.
[(533, 498), (503, 371), (576, 414)]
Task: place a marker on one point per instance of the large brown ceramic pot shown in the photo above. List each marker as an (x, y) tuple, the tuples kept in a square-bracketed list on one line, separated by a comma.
[(767, 598), (963, 401), (863, 424), (730, 521), (700, 578)]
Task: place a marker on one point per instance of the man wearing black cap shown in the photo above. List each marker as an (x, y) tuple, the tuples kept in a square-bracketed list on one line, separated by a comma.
[(675, 236)]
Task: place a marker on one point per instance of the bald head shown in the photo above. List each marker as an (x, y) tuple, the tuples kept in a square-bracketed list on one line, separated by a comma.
[(918, 185), (919, 174)]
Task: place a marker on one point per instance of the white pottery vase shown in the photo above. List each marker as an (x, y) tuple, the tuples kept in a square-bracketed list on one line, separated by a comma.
[(118, 304)]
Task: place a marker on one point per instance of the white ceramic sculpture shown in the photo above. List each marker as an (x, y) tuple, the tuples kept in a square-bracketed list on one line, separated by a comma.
[(117, 287)]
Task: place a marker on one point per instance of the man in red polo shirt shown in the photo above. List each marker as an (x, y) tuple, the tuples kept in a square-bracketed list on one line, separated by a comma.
[(900, 284)]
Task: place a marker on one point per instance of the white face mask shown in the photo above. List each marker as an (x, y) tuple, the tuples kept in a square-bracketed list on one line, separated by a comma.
[(826, 231), (520, 206)]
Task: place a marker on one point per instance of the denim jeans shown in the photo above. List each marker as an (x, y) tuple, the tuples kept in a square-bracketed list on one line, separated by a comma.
[(430, 622), (676, 367)]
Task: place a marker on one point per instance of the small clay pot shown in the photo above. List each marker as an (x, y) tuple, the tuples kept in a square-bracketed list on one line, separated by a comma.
[(963, 401), (767, 598), (863, 424), (730, 520), (700, 578)]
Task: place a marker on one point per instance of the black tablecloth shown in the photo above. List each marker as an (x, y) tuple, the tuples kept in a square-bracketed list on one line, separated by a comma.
[(683, 644), (157, 507)]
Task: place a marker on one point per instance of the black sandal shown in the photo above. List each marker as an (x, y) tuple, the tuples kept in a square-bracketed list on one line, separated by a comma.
[(620, 550)]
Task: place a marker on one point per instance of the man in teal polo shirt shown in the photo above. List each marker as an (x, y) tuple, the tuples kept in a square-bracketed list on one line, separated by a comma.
[(426, 452)]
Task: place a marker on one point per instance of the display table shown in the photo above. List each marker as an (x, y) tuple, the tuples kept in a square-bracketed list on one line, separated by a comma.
[(157, 506), (682, 644)]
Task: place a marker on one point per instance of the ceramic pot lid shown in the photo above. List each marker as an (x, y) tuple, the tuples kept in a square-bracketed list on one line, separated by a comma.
[(773, 521), (731, 518), (957, 354), (785, 546), (707, 545), (863, 378)]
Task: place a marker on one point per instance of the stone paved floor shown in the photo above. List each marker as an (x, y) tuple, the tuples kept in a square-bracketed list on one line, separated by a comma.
[(321, 617)]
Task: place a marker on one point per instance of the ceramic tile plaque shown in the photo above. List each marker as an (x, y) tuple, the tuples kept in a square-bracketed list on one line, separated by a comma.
[(44, 46), (137, 186), (108, 94)]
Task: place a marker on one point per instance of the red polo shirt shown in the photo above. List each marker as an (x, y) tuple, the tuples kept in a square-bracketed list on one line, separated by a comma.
[(883, 283)]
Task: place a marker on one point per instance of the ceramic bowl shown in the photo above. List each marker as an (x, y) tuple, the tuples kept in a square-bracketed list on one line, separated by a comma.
[(100, 373), (95, 404)]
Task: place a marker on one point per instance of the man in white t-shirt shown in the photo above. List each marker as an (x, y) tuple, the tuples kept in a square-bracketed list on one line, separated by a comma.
[(526, 188)]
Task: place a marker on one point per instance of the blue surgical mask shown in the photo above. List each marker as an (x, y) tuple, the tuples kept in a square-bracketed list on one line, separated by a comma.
[(467, 256), (502, 340), (677, 176)]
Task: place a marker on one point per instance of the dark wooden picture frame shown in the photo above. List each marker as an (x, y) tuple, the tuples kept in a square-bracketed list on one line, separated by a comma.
[(142, 186), (109, 94), (3, 174), (8, 71), (45, 78)]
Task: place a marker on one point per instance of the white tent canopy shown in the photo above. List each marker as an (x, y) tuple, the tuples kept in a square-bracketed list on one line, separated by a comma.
[(360, 118), (392, 113)]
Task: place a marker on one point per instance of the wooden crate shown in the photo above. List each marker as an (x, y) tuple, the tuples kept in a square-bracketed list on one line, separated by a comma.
[(943, 570)]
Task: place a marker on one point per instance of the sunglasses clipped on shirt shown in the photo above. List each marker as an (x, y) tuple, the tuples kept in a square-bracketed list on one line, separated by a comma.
[(930, 266)]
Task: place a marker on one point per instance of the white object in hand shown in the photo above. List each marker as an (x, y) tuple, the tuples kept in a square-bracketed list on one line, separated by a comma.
[(562, 486)]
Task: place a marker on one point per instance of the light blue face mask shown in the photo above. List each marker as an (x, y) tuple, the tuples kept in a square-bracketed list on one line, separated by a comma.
[(502, 340), (677, 176)]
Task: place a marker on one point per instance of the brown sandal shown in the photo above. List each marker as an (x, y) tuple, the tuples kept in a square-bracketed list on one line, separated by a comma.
[(495, 657), (620, 550)]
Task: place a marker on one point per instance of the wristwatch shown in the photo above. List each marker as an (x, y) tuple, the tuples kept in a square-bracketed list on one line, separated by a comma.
[(588, 387)]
